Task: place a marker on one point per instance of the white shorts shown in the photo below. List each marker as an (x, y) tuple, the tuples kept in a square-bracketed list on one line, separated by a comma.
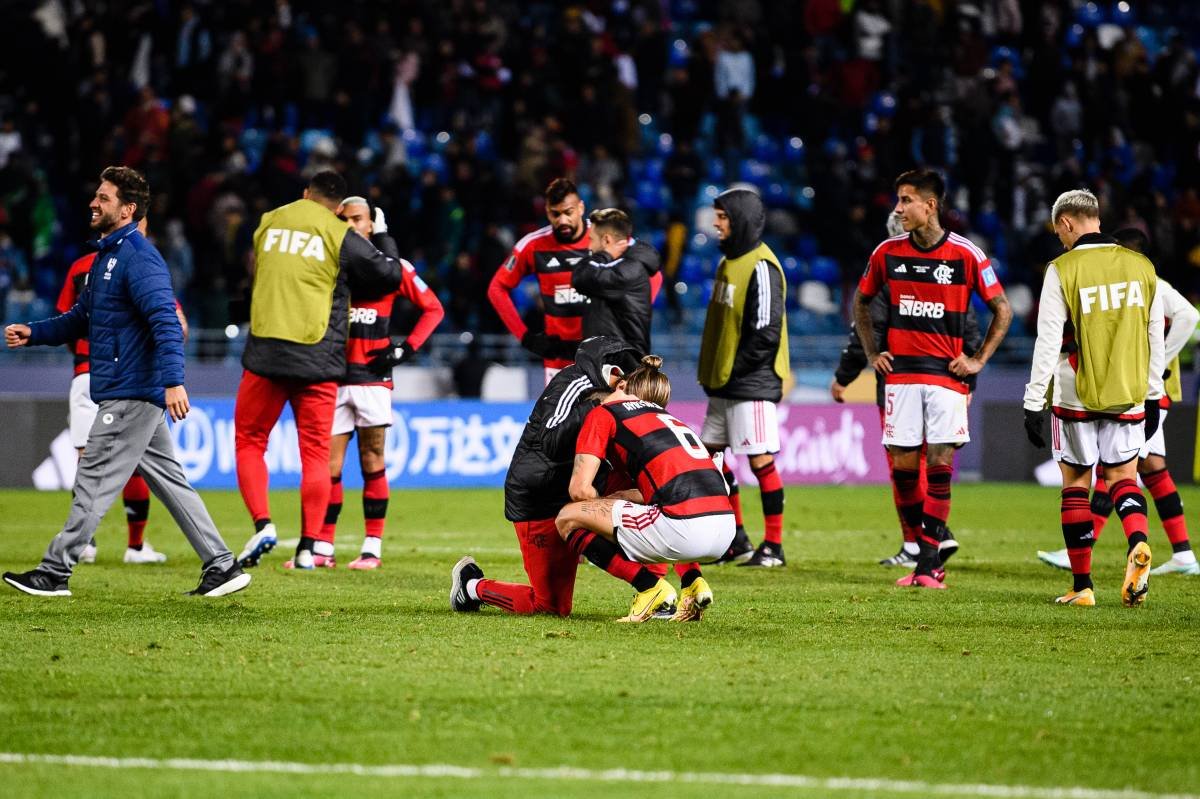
[(647, 535), (1082, 443), (920, 413), (1157, 443), (362, 406), (748, 427), (83, 410)]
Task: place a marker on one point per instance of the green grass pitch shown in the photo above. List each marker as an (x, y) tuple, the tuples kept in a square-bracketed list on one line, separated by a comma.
[(821, 669)]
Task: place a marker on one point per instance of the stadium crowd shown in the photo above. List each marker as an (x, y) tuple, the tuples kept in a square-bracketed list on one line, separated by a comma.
[(454, 115)]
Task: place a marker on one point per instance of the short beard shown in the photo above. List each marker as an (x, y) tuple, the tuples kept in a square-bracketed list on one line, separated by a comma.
[(568, 238), (103, 224)]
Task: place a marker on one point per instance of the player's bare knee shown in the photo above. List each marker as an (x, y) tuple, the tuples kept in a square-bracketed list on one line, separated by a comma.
[(761, 461)]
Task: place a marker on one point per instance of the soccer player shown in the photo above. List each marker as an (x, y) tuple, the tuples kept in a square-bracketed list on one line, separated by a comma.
[(929, 274), (550, 253), (306, 263), (364, 398), (743, 364), (620, 277), (82, 413), (127, 313), (852, 362), (1180, 319), (1100, 337), (678, 511), (536, 489)]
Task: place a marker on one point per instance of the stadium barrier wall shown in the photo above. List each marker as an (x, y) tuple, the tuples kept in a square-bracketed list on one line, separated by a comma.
[(446, 444)]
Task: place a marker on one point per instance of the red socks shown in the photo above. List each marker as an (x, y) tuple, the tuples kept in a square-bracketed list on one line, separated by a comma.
[(137, 509), (908, 491), (1131, 507), (1078, 534), (375, 502), (770, 485), (735, 496), (1169, 507), (332, 510)]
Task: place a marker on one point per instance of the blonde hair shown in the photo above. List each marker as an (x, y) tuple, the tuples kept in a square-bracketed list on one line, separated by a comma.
[(1079, 203), (648, 383)]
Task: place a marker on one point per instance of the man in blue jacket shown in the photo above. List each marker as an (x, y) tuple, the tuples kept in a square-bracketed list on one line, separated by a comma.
[(127, 311)]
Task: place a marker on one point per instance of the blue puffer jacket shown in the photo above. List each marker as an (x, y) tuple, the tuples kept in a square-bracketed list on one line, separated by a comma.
[(127, 312)]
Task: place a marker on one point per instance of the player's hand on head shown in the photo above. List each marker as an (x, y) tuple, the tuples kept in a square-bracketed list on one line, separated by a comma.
[(1035, 427), (16, 335), (177, 403), (379, 224)]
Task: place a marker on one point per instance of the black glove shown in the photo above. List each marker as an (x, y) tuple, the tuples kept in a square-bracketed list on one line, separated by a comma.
[(1152, 417), (1035, 427), (383, 359), (545, 346)]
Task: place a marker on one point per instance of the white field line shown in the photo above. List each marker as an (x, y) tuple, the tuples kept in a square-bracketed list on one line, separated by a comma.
[(443, 770)]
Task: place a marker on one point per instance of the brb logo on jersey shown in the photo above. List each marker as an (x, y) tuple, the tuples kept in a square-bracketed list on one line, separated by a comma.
[(943, 274), (363, 316), (1111, 296), (911, 306), (567, 295)]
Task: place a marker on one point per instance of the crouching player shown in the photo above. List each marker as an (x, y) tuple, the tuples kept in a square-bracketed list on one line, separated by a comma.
[(535, 489), (678, 513)]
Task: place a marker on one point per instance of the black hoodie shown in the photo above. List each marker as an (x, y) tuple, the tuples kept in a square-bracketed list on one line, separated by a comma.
[(619, 290), (747, 220), (540, 472), (753, 376)]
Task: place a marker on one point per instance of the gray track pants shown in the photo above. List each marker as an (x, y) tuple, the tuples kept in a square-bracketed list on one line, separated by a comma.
[(129, 434)]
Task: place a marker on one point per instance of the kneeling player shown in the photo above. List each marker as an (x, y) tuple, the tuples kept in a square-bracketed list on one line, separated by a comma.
[(535, 489), (680, 510)]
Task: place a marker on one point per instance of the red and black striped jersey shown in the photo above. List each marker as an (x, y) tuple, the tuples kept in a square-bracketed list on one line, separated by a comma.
[(72, 288), (661, 454), (541, 254), (930, 295), (370, 320)]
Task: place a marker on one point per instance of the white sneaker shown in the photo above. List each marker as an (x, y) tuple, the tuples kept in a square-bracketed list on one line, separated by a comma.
[(147, 554), (1177, 566), (259, 544), (88, 555), (1057, 558)]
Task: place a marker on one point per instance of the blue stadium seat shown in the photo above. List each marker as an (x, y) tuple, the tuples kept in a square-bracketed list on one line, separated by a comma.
[(1089, 15), (793, 151), (756, 172), (765, 148), (776, 195), (826, 270)]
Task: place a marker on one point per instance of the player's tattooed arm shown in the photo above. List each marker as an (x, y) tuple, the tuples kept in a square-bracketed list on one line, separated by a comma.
[(1002, 314), (879, 361), (583, 473)]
